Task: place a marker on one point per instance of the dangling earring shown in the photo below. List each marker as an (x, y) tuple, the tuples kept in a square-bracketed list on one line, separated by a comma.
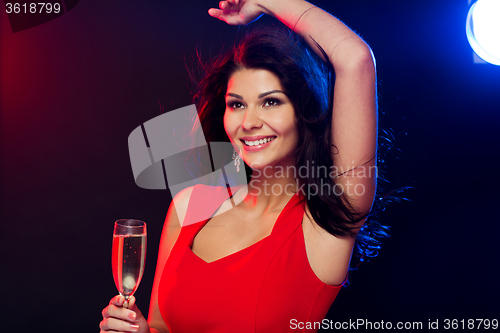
[(236, 158)]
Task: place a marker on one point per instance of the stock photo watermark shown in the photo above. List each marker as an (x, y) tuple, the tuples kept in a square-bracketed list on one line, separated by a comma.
[(346, 180), (365, 324)]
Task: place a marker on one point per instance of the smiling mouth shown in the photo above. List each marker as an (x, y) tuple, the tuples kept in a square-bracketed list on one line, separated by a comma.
[(258, 142)]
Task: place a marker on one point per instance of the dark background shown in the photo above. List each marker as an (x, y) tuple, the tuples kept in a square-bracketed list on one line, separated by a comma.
[(72, 90)]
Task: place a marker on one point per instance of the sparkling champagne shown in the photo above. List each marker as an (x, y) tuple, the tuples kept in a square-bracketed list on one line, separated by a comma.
[(128, 259)]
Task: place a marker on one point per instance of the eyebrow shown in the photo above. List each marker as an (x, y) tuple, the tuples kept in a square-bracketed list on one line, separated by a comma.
[(271, 92), (260, 96), (235, 95)]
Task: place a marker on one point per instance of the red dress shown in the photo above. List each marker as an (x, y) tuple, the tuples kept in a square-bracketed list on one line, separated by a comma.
[(266, 287)]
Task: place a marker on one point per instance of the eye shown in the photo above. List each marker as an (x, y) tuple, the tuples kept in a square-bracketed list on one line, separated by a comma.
[(234, 105), (272, 102)]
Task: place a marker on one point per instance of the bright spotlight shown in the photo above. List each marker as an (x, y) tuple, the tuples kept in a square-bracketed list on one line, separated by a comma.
[(483, 30)]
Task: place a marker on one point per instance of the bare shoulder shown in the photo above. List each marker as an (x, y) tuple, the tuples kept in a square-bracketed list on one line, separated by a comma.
[(329, 256), (173, 224), (179, 206)]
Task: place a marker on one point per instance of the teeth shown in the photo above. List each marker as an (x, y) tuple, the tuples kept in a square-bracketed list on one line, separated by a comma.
[(258, 142)]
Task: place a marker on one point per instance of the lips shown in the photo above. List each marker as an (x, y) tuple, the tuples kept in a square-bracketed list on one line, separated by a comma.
[(256, 141)]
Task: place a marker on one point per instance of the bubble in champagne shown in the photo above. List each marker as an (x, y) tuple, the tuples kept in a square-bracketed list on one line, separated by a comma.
[(129, 282)]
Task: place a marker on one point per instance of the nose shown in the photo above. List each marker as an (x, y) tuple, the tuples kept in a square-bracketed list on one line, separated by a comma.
[(251, 119)]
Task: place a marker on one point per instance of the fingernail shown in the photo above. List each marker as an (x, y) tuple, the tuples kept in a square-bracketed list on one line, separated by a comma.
[(134, 328), (132, 315)]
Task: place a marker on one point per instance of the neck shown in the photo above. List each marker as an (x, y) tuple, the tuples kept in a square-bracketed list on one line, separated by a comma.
[(269, 188)]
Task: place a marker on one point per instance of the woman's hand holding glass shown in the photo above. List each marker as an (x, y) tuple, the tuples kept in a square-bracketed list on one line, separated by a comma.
[(121, 317)]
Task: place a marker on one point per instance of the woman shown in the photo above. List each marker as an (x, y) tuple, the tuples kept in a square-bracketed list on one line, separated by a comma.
[(275, 261)]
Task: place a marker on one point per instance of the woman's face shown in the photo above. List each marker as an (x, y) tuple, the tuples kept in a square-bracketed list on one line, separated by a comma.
[(260, 119)]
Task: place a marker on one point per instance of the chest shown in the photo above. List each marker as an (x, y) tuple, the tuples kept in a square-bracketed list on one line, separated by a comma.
[(236, 231), (232, 231)]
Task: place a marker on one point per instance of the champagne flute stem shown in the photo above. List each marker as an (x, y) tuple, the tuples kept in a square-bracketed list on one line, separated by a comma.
[(126, 304)]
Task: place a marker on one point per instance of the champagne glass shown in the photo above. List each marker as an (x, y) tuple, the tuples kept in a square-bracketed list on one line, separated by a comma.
[(129, 255)]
